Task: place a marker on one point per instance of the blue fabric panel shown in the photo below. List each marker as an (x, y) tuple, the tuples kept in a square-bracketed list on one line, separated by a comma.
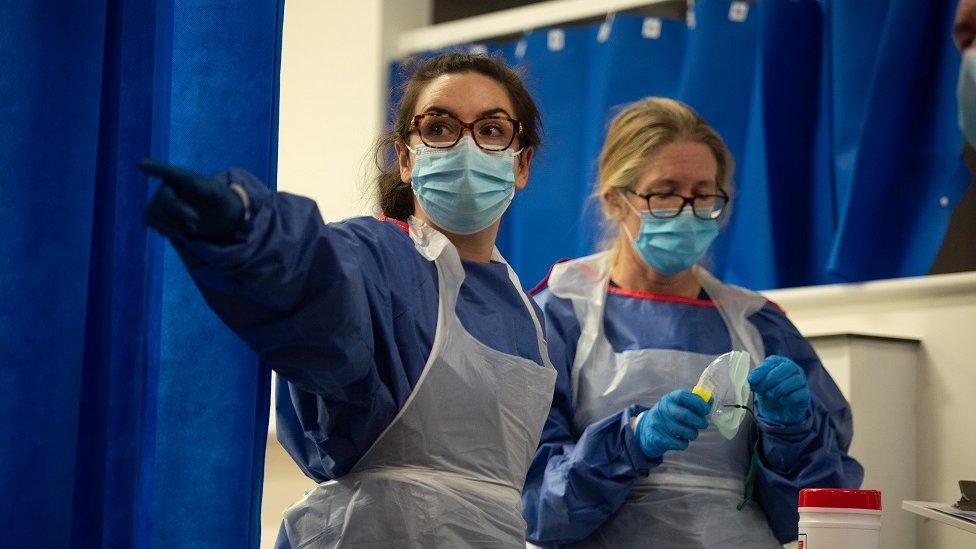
[(790, 58), (210, 450), (823, 202), (718, 78), (854, 32), (908, 173), (767, 240), (745, 248), (86, 455), (51, 93), (113, 382), (543, 220)]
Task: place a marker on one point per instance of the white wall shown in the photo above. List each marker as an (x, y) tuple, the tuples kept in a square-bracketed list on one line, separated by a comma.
[(872, 373), (333, 94), (939, 311)]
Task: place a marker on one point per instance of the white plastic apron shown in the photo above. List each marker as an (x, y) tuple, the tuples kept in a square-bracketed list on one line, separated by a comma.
[(690, 499), (448, 471)]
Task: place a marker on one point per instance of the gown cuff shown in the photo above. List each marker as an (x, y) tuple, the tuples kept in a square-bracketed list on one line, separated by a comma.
[(628, 424)]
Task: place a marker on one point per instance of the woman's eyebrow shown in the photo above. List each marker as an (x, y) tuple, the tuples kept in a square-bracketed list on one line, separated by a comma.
[(444, 110)]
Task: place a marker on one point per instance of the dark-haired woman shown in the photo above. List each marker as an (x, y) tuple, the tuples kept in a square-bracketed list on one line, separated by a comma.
[(417, 375)]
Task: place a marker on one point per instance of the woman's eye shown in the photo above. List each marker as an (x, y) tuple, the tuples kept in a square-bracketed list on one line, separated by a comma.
[(491, 130)]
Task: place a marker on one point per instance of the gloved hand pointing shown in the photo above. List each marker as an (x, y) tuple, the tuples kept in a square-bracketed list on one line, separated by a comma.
[(672, 423), (781, 390), (191, 204)]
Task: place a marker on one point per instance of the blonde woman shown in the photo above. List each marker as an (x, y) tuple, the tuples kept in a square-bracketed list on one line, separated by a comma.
[(627, 458)]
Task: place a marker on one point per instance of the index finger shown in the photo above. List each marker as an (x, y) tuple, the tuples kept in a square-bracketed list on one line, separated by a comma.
[(693, 402), (181, 178)]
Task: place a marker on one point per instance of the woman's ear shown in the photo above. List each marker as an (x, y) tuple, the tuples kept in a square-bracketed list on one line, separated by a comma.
[(404, 160), (613, 203), (522, 163)]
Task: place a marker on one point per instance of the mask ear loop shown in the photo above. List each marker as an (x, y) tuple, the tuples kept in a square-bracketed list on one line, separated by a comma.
[(629, 205), (753, 459), (632, 209)]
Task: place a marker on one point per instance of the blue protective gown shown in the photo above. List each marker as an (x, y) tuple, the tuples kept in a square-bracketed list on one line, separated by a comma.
[(346, 313), (579, 479)]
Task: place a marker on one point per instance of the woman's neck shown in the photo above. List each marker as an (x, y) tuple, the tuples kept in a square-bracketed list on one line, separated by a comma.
[(474, 247), (631, 273)]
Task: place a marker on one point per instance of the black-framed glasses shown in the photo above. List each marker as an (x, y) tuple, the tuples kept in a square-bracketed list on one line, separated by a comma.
[(443, 131), (669, 205)]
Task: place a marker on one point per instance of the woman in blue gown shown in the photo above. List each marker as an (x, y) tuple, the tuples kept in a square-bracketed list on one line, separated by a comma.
[(415, 376), (627, 458)]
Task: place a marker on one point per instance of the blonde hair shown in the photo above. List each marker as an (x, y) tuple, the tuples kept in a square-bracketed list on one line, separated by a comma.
[(640, 130)]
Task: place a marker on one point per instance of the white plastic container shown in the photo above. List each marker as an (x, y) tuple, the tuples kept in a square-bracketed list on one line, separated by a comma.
[(832, 518)]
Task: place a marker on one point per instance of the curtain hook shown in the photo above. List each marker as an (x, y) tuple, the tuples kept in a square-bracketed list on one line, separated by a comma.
[(523, 44), (606, 27)]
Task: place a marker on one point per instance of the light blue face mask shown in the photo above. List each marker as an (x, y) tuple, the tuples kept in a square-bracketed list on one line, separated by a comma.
[(672, 245), (966, 96), (463, 189)]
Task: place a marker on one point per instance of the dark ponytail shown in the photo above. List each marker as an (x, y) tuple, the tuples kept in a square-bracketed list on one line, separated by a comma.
[(394, 196)]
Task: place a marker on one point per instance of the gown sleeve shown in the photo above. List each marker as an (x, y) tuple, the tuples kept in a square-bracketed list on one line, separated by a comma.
[(577, 480), (314, 302), (812, 454)]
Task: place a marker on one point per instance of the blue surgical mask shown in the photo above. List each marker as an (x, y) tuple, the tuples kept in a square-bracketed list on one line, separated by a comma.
[(966, 96), (672, 245), (463, 189)]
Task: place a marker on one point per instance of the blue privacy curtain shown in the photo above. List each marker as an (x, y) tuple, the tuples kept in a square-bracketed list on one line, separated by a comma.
[(131, 417), (840, 115)]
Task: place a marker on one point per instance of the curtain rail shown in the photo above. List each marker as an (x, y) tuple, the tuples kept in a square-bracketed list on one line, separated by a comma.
[(510, 21)]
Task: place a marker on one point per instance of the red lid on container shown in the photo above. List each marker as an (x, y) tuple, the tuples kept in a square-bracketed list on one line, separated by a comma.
[(840, 498)]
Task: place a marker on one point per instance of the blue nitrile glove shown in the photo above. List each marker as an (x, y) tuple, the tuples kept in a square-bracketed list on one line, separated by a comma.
[(781, 390), (191, 204), (672, 423)]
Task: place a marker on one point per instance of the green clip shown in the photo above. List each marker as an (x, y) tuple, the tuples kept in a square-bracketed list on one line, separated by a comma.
[(751, 474)]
